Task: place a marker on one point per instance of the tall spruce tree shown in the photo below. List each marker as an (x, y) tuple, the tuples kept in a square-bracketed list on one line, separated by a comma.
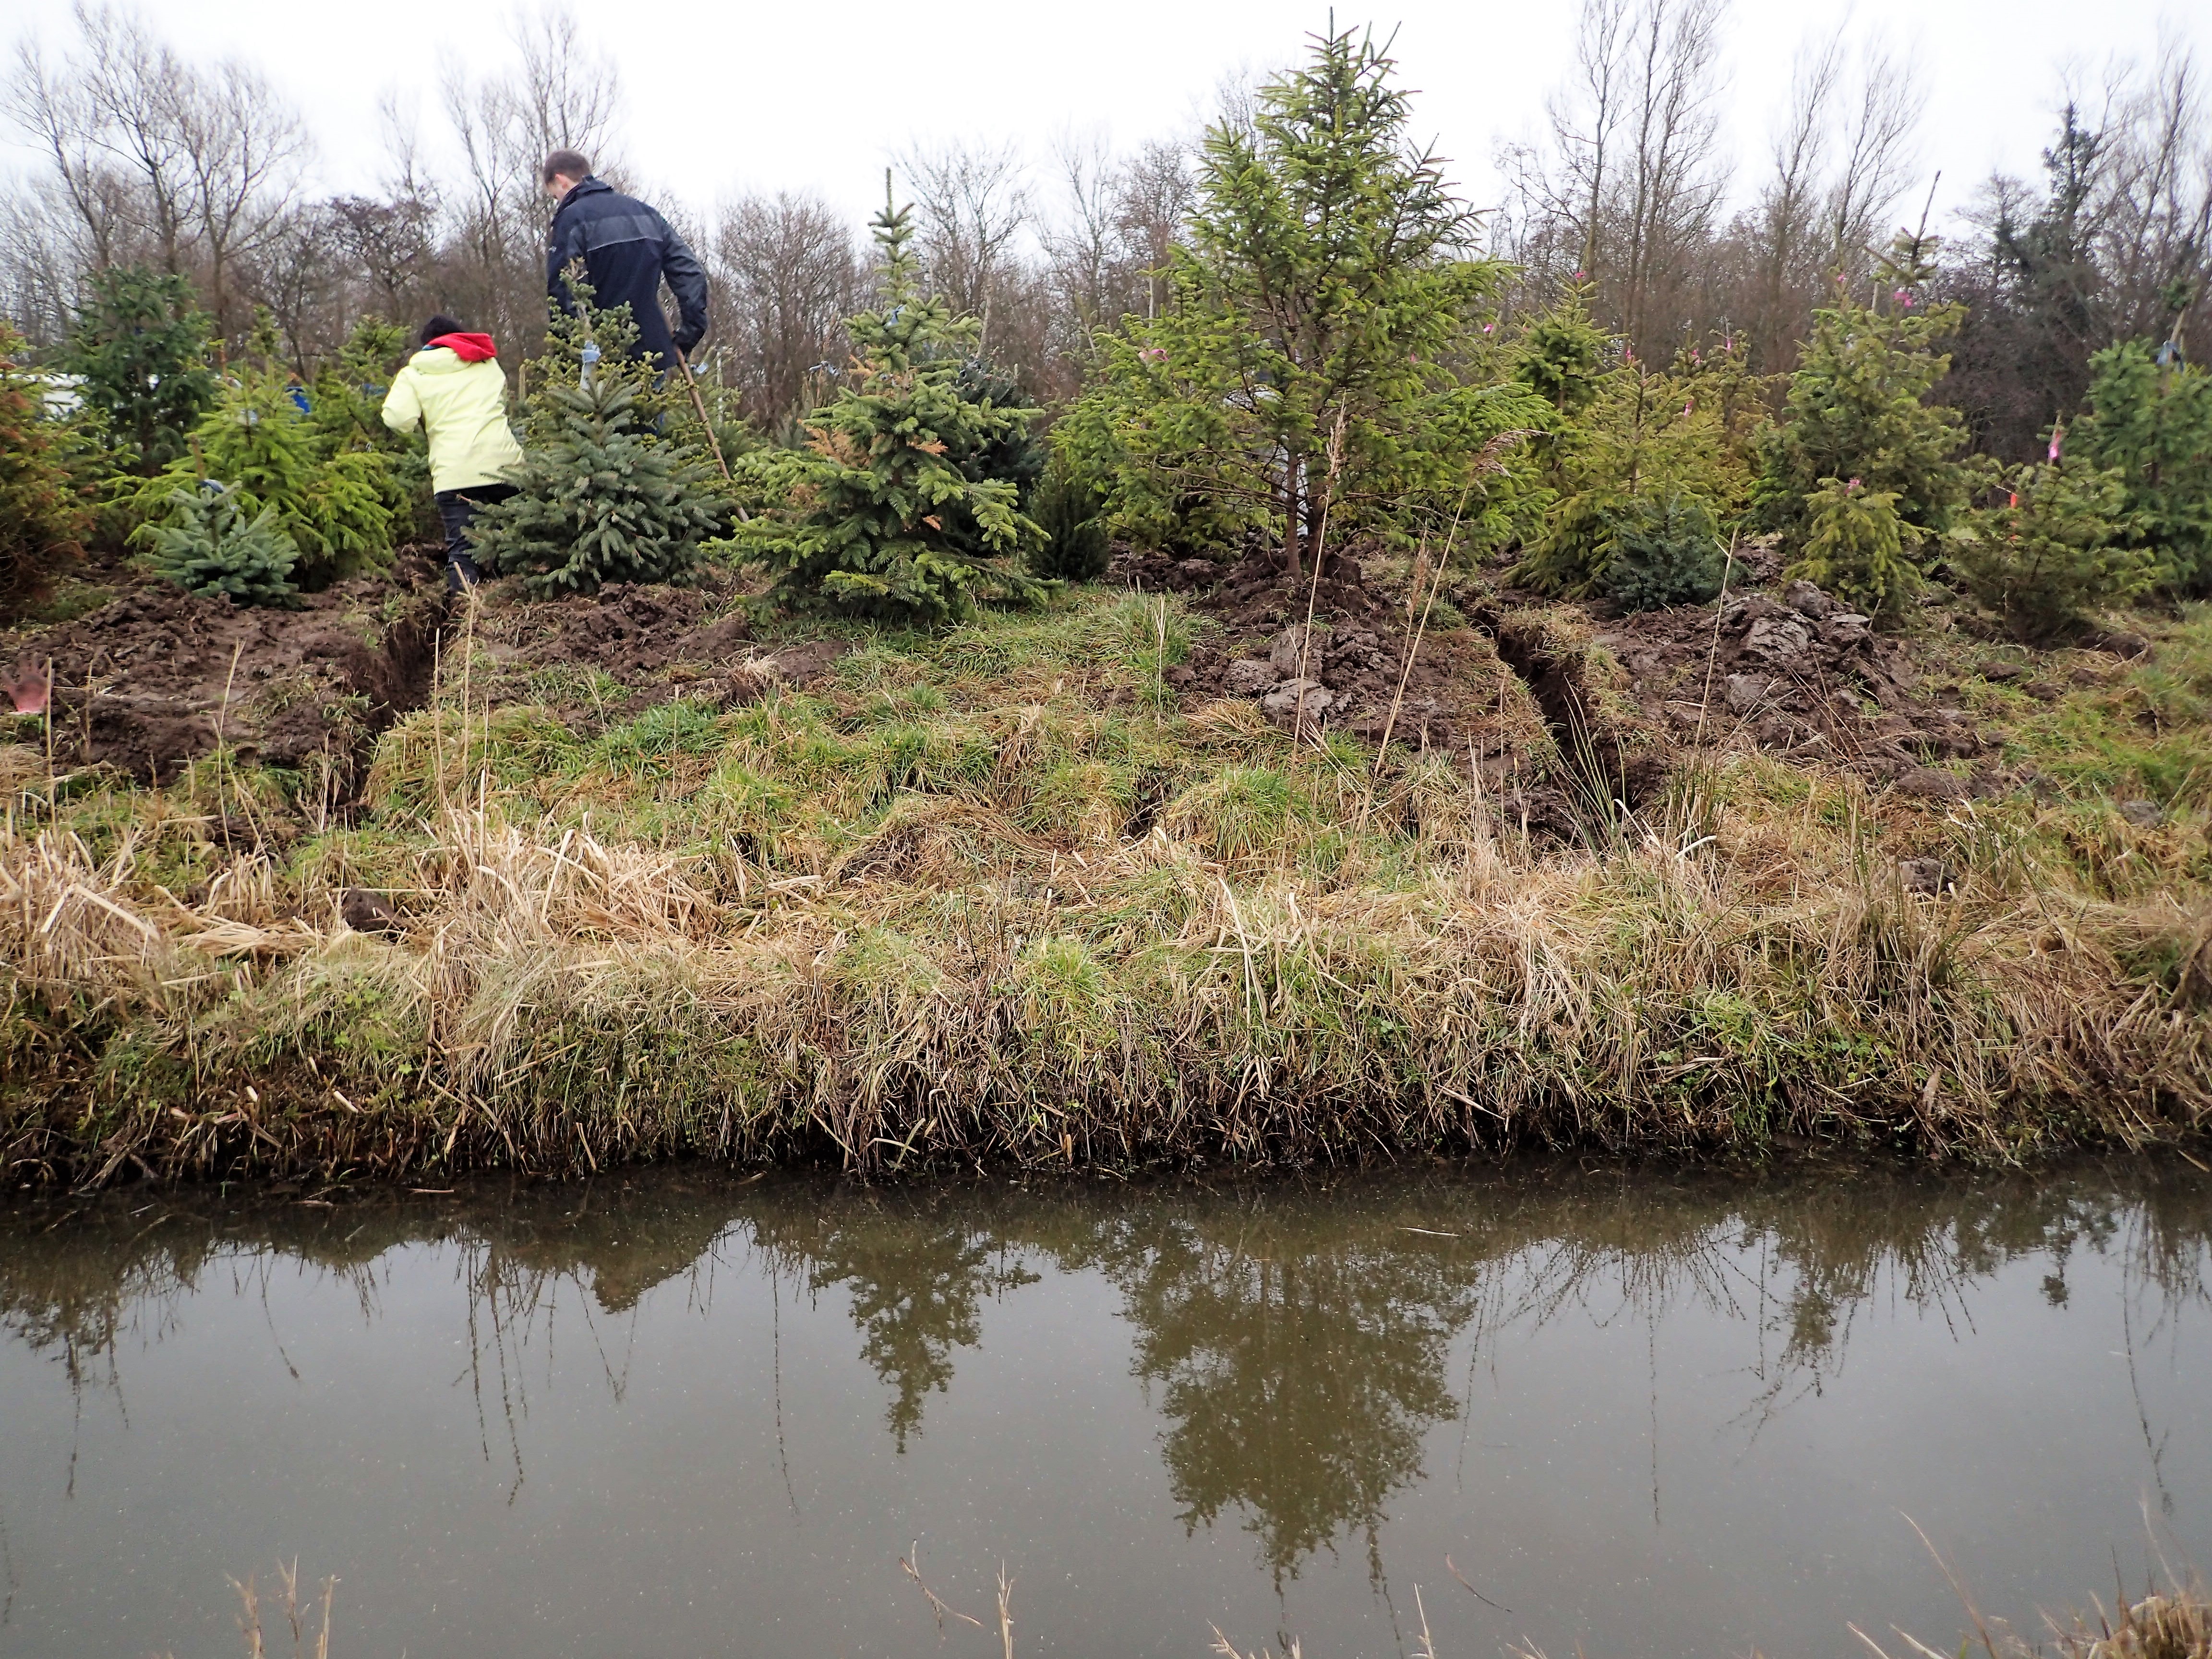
[(891, 510), (141, 345), (1330, 284)]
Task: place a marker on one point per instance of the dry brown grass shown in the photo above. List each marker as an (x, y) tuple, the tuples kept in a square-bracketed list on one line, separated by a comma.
[(953, 985)]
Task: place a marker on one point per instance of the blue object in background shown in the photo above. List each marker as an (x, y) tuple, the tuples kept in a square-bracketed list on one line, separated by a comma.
[(300, 399)]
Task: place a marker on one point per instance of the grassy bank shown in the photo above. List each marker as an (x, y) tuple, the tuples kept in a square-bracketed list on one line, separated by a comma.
[(1000, 894)]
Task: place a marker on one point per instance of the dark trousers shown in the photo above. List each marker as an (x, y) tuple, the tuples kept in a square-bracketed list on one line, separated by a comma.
[(456, 509)]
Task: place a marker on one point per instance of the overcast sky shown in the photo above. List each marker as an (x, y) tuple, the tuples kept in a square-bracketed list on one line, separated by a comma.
[(740, 94)]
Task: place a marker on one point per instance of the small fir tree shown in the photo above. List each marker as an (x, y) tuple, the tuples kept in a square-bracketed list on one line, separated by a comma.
[(1853, 543), (1639, 464), (2150, 419), (346, 415), (596, 500), (210, 546), (1665, 553), (602, 495), (882, 514), (2050, 550), (41, 514), (1013, 452), (1857, 410), (331, 506), (1562, 356), (141, 345), (1070, 511)]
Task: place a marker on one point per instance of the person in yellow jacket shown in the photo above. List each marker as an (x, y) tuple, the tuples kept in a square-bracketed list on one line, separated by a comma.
[(455, 386)]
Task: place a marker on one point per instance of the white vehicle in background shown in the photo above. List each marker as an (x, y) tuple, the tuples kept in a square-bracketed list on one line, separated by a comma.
[(60, 395)]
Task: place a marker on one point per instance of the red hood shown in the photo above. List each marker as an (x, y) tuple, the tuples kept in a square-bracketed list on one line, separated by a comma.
[(469, 348)]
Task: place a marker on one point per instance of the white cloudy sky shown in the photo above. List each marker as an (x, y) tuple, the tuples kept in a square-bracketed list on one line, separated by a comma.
[(742, 93)]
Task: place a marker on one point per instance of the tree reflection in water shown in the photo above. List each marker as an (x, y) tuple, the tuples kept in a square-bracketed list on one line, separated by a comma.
[(1299, 1362), (918, 1274), (1295, 1338)]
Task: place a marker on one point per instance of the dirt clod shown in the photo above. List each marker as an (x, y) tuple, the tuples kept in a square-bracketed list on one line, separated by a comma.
[(369, 913), (1925, 877), (152, 680), (1926, 783)]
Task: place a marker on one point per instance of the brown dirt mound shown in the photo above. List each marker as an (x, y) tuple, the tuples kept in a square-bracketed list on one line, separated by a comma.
[(150, 680), (1793, 674), (1790, 673), (657, 643), (1459, 695)]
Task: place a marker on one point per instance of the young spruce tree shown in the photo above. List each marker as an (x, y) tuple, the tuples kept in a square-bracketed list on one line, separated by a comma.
[(41, 514), (141, 345), (1864, 473), (330, 504), (2150, 419), (1642, 466), (211, 544), (881, 518), (601, 496), (2050, 550)]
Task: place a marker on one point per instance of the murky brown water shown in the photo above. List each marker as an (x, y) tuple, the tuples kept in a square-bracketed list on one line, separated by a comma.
[(673, 1415)]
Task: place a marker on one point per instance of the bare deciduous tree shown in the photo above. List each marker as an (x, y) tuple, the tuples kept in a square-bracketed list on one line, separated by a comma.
[(1676, 176), (2154, 223), (1158, 192), (243, 155), (1841, 159), (155, 158), (789, 276), (973, 202), (563, 95), (1630, 185), (108, 117)]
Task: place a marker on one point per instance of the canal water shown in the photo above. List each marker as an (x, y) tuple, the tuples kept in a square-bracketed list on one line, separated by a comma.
[(1617, 1411)]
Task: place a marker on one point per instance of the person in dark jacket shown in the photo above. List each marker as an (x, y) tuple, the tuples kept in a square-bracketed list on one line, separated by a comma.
[(628, 250)]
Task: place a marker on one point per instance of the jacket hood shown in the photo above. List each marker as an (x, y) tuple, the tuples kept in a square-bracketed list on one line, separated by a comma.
[(591, 186), (469, 348)]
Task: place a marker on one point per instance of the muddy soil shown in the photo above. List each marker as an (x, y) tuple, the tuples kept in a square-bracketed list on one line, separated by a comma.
[(613, 655), (1801, 676), (152, 680), (1789, 671), (1459, 697)]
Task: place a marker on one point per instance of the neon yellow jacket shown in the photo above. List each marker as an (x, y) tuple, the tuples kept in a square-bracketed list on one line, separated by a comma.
[(463, 406)]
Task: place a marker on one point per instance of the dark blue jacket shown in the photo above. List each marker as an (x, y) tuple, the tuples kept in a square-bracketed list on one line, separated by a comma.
[(627, 249)]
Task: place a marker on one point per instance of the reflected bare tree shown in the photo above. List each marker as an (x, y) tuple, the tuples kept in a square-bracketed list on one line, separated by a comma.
[(917, 1274)]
